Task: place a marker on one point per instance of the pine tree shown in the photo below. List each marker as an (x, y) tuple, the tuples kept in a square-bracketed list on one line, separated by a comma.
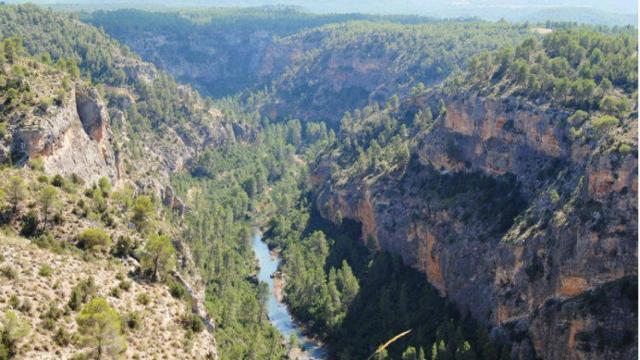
[(48, 200), (15, 192), (100, 326), (12, 331), (159, 256)]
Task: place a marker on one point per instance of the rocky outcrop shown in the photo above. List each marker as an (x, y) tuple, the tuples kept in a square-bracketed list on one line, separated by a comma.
[(191, 280), (72, 139), (518, 225)]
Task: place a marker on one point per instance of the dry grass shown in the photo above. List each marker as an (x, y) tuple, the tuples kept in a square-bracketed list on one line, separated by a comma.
[(159, 336)]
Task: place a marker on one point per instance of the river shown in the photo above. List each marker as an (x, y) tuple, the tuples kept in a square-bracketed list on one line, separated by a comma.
[(277, 311)]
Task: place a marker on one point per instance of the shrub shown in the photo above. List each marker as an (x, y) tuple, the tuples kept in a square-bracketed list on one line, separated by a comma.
[(105, 185), (625, 149), (45, 270), (26, 306), (9, 272), (46, 241), (62, 337), (94, 239), (36, 164), (124, 247), (14, 301), (100, 326), (193, 323), (143, 299), (115, 292), (58, 218), (82, 292), (30, 224), (578, 118), (177, 290), (133, 320), (45, 104), (58, 181), (125, 285), (13, 330), (77, 179), (51, 317), (107, 219), (604, 122)]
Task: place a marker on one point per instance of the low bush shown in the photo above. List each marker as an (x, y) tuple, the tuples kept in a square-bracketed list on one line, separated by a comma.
[(62, 337), (94, 239), (604, 122), (125, 285), (193, 322), (124, 247), (9, 272), (115, 292), (133, 320), (82, 293), (30, 224), (177, 290), (14, 301), (143, 299), (58, 181), (51, 316), (45, 270)]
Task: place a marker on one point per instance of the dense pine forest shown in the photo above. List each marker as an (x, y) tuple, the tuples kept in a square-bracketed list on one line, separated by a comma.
[(421, 181)]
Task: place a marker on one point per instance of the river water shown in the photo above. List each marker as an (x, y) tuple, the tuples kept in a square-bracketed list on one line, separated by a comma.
[(278, 312)]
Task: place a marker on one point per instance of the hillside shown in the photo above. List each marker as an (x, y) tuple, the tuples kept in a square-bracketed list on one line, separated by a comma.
[(68, 215), (505, 199), (311, 67), (86, 111), (467, 189)]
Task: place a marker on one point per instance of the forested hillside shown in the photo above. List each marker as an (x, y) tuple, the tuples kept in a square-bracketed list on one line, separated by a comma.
[(497, 177), (435, 189), (77, 249), (301, 68)]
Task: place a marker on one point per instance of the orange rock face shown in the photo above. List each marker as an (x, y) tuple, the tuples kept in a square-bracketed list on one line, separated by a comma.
[(572, 285)]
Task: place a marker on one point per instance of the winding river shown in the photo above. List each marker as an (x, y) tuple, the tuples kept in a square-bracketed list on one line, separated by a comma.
[(277, 311)]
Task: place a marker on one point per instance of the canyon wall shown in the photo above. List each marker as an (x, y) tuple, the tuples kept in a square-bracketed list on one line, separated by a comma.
[(531, 230)]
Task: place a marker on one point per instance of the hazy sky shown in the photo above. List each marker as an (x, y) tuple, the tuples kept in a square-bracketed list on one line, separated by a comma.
[(418, 7)]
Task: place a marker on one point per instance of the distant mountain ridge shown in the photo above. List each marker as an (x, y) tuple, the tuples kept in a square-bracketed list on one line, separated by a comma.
[(610, 13)]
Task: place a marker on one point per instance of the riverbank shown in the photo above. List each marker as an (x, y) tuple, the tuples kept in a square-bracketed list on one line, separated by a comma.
[(277, 311)]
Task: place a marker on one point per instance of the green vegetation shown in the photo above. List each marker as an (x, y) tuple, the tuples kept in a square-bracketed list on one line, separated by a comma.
[(392, 54), (15, 192), (143, 211), (223, 189), (577, 67), (94, 239), (82, 292), (158, 256), (357, 299), (45, 270), (100, 326), (48, 201), (12, 331), (255, 176), (604, 122), (143, 299)]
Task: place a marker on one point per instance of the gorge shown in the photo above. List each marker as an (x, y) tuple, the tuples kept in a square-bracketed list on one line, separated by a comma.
[(277, 311), (474, 182)]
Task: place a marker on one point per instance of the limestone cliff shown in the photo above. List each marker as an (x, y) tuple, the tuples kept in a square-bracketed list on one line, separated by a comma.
[(515, 220), (74, 138)]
